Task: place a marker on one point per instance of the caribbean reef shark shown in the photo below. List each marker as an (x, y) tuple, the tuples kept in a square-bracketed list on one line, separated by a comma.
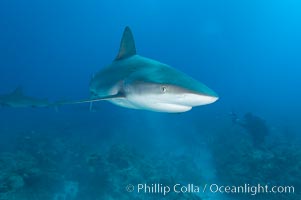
[(17, 99), (136, 82)]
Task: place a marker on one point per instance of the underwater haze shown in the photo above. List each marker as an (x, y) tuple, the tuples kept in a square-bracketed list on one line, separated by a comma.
[(246, 145)]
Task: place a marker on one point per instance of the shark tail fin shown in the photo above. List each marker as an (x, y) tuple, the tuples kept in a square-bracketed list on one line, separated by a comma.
[(127, 45)]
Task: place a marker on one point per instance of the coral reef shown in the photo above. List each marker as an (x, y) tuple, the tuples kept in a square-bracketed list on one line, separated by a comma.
[(69, 193), (122, 165), (52, 168), (239, 162), (20, 175), (255, 127)]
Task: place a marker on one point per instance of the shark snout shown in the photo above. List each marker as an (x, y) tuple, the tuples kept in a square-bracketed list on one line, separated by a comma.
[(188, 97), (193, 99)]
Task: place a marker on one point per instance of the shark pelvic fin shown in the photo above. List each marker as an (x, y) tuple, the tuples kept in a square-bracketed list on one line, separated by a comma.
[(127, 45), (91, 107)]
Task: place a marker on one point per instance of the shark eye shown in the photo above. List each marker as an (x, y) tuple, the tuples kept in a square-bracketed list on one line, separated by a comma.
[(163, 89)]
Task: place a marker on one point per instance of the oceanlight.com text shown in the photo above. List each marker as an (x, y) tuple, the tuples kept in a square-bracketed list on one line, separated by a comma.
[(251, 189), (157, 188)]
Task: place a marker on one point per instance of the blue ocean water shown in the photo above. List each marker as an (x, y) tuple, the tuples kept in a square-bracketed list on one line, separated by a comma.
[(246, 51)]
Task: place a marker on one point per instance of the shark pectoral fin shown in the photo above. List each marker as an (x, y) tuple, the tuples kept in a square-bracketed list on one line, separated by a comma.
[(127, 45), (115, 96)]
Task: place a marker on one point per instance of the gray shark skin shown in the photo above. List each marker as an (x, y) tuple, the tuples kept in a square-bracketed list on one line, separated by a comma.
[(136, 82), (17, 99)]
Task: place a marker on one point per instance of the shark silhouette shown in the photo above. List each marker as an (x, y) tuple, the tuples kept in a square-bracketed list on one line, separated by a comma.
[(136, 82), (18, 99)]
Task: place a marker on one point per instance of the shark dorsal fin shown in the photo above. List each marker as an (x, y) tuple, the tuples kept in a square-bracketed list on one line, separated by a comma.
[(127, 45), (18, 91)]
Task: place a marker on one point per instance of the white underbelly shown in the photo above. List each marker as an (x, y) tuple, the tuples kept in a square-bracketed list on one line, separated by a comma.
[(124, 103), (146, 104)]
